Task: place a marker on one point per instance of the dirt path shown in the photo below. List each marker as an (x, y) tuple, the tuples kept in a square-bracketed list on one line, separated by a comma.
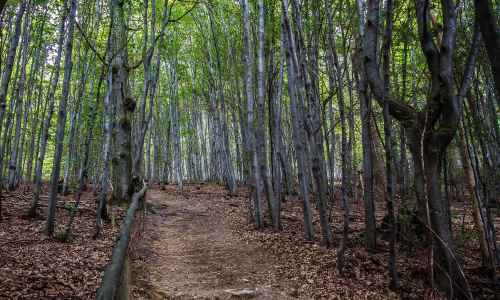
[(193, 253)]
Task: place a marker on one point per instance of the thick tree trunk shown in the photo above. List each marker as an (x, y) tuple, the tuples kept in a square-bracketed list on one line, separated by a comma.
[(122, 100), (449, 275), (367, 141), (428, 139)]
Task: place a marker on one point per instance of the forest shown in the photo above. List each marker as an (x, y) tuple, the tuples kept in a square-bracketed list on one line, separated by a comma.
[(249, 149)]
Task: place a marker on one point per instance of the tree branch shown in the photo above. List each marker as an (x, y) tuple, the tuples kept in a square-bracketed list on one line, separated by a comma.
[(92, 47), (149, 53), (471, 63), (398, 109)]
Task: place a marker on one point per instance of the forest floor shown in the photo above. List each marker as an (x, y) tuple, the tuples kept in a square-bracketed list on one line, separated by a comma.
[(35, 266), (199, 244)]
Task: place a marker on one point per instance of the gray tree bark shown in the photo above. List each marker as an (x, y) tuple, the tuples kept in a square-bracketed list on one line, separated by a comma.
[(367, 141), (44, 132), (298, 128), (260, 133), (176, 131), (121, 98), (61, 121), (427, 140), (7, 72), (249, 62), (19, 94)]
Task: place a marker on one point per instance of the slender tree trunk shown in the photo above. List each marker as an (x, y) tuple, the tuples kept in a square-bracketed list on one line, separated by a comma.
[(35, 106), (249, 62), (75, 115), (315, 125), (13, 166), (221, 118), (106, 152), (277, 145), (486, 250), (61, 121), (344, 185), (389, 152), (11, 54), (36, 119), (7, 72), (174, 116), (297, 122), (260, 134), (491, 36), (44, 133)]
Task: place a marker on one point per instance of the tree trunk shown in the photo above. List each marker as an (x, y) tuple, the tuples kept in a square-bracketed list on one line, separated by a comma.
[(7, 72), (13, 164), (176, 133), (121, 98), (484, 240), (260, 133), (249, 62), (491, 36), (389, 149), (74, 117), (298, 131), (277, 145), (44, 132), (428, 140), (106, 151), (61, 121)]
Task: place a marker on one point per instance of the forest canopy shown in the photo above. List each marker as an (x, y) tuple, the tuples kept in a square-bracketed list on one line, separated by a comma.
[(391, 104)]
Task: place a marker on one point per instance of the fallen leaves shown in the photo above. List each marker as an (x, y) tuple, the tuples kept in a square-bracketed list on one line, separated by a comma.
[(33, 266), (307, 270)]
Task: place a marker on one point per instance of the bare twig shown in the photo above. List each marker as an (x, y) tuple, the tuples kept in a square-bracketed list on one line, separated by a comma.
[(92, 47)]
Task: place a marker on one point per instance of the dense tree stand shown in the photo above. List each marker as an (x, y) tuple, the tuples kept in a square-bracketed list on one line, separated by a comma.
[(296, 148)]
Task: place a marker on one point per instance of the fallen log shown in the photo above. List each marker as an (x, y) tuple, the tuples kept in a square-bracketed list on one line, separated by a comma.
[(114, 282)]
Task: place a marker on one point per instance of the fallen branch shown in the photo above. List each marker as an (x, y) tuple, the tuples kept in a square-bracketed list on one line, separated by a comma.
[(112, 278)]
